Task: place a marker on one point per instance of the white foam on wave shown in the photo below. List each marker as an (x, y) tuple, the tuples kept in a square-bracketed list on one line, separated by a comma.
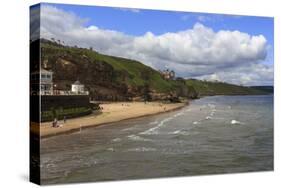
[(212, 106), (208, 117), (137, 138), (153, 130), (128, 129), (176, 132), (179, 114), (142, 149), (195, 122), (183, 133), (235, 122), (110, 149), (153, 122), (116, 140)]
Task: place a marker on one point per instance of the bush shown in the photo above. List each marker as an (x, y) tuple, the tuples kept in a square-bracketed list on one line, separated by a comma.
[(60, 113)]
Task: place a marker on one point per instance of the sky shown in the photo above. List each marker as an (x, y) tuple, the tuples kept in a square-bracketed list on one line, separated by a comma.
[(228, 48)]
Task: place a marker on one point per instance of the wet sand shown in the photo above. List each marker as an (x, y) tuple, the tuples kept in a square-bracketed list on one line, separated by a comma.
[(111, 112)]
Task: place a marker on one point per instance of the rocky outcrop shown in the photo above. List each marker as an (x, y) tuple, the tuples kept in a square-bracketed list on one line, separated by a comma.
[(105, 81)]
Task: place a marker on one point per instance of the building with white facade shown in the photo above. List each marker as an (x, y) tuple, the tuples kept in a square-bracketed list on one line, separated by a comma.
[(42, 81), (77, 88)]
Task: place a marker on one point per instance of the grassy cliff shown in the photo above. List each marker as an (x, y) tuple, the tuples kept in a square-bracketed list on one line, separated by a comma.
[(115, 78), (206, 88)]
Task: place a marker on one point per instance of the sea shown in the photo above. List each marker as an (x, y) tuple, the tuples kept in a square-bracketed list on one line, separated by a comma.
[(212, 135)]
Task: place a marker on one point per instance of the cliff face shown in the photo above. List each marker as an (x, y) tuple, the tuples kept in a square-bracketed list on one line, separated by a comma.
[(119, 79), (107, 77)]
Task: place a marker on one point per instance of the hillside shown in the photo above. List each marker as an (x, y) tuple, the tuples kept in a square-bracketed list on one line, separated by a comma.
[(108, 77), (206, 88), (117, 79), (268, 89)]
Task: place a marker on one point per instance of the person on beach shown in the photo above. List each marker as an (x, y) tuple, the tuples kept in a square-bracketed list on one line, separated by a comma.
[(64, 119), (55, 123)]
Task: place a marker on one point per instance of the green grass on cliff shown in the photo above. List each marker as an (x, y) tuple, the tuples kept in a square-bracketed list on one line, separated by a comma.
[(218, 88), (139, 74)]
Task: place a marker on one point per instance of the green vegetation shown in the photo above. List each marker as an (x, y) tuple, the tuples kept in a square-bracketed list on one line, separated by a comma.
[(125, 77), (136, 74), (68, 113), (206, 88)]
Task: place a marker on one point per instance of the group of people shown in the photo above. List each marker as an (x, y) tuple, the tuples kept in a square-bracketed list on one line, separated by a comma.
[(56, 124)]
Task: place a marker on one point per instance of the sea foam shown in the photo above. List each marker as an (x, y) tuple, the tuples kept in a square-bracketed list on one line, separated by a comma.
[(137, 138), (153, 130), (235, 122), (142, 149)]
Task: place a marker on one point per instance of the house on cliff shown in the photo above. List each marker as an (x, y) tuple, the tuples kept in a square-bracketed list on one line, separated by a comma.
[(168, 74), (42, 82), (77, 88)]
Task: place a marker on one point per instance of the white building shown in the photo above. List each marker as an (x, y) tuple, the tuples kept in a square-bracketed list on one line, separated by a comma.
[(77, 88), (42, 81), (168, 75)]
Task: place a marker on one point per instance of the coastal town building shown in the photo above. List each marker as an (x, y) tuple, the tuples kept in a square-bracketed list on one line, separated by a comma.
[(168, 74), (42, 82), (77, 88)]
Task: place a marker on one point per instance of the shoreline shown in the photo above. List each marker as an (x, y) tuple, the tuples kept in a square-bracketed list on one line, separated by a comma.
[(111, 113)]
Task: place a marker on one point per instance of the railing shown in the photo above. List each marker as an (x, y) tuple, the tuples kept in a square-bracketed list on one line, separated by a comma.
[(63, 92)]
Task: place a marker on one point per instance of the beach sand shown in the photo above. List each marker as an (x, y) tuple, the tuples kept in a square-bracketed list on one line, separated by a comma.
[(111, 112)]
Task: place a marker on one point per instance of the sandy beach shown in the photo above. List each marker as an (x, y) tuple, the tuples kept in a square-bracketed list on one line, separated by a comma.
[(111, 112)]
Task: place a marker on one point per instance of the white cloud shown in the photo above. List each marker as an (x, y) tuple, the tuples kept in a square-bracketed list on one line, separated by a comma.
[(134, 10), (203, 18), (254, 74), (34, 23), (196, 52)]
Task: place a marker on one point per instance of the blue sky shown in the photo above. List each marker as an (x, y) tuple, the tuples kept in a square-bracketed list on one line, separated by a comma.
[(137, 22)]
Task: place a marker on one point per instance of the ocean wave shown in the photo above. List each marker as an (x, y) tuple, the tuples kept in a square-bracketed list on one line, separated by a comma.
[(208, 117), (212, 106), (179, 114), (235, 122), (116, 140), (110, 149), (137, 138), (142, 149), (153, 130), (176, 132), (153, 122), (196, 122), (183, 133), (128, 129)]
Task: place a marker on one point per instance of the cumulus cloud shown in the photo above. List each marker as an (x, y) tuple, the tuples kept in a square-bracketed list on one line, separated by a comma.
[(199, 52), (134, 10), (34, 23), (254, 74)]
